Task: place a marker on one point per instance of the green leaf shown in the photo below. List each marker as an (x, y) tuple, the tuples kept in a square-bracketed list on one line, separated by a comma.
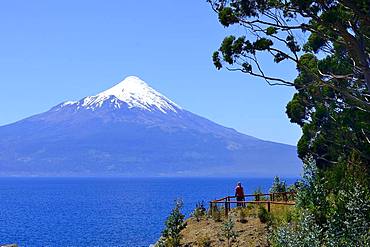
[(271, 30), (227, 17)]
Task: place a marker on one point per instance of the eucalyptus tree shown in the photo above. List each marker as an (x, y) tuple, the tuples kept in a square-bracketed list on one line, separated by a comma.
[(328, 41)]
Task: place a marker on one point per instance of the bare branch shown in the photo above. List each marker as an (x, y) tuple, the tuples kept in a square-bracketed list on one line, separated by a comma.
[(282, 82)]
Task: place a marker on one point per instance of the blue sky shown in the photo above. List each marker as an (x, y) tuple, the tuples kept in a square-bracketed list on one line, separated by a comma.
[(53, 51)]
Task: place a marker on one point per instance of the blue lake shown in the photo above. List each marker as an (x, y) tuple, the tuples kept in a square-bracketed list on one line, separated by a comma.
[(101, 211)]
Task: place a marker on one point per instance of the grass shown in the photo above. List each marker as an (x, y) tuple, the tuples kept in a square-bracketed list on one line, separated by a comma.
[(282, 214), (279, 214)]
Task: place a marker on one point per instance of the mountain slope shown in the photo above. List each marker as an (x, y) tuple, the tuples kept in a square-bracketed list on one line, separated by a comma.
[(132, 130)]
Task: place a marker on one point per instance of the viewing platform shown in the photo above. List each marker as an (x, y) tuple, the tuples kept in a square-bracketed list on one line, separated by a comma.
[(281, 198)]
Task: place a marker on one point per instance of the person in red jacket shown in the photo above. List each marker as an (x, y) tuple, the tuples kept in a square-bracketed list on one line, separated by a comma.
[(239, 193)]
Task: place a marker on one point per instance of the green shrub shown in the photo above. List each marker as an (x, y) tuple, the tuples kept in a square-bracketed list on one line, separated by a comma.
[(250, 206), (263, 215), (216, 213), (290, 216), (171, 235), (305, 233), (243, 216), (228, 232), (199, 211), (278, 186), (292, 188), (333, 209)]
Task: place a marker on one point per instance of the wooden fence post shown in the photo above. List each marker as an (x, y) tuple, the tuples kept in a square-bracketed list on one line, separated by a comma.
[(226, 207), (268, 206)]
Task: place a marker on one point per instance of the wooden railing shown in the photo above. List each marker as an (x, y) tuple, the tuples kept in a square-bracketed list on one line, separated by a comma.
[(259, 199)]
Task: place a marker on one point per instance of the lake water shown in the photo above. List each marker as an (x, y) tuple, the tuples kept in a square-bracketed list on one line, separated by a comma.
[(101, 211)]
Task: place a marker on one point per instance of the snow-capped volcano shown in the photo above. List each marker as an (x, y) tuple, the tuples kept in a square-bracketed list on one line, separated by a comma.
[(131, 92), (133, 130)]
